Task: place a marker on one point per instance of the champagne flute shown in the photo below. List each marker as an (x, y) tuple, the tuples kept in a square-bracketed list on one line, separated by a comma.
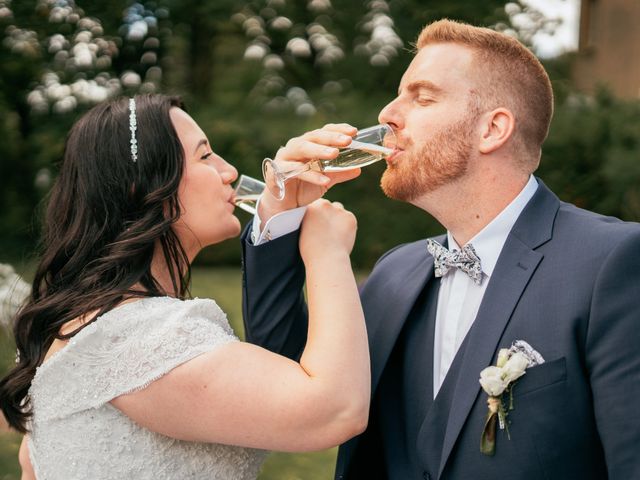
[(368, 146), (247, 192)]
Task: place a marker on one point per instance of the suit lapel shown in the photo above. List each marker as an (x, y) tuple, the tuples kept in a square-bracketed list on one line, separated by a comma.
[(387, 315), (502, 295), (516, 264)]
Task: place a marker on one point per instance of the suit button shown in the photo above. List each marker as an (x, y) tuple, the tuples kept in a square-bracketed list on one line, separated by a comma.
[(426, 475)]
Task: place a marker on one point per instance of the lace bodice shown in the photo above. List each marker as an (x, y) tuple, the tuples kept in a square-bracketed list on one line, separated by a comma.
[(77, 434)]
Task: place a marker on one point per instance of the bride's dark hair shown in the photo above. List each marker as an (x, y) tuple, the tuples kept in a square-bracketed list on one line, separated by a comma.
[(104, 218)]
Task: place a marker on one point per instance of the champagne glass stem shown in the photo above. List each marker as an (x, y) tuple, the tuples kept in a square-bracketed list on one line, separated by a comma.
[(312, 165)]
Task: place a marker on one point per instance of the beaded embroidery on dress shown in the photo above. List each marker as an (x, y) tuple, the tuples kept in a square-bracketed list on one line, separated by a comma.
[(77, 434)]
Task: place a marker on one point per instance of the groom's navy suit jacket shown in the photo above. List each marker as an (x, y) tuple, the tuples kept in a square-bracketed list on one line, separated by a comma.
[(567, 282)]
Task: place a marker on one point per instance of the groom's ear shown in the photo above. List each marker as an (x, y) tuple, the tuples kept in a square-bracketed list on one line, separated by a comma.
[(496, 127)]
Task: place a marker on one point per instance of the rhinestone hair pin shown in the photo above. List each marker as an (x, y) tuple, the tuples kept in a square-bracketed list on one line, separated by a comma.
[(133, 127)]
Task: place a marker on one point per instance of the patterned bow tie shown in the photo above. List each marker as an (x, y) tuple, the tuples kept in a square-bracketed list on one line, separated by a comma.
[(466, 260)]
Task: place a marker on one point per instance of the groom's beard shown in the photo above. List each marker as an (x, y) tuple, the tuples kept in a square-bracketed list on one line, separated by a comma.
[(440, 161)]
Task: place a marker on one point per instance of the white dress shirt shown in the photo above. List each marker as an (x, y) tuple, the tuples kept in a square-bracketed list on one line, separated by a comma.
[(459, 297), (277, 226)]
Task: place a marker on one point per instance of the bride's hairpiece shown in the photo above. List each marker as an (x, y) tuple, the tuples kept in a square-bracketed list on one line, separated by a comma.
[(133, 126)]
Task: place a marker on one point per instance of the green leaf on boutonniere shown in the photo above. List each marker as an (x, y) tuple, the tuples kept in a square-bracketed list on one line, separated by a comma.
[(488, 438)]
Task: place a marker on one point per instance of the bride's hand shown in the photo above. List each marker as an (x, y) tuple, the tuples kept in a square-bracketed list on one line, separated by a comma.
[(323, 143), (327, 230)]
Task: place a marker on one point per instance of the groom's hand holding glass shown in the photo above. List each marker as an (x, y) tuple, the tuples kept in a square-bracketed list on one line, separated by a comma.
[(324, 144)]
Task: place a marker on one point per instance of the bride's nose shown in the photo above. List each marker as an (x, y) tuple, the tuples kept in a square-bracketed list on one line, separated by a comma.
[(228, 173)]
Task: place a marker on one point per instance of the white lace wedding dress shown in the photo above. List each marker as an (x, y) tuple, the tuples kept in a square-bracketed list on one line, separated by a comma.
[(77, 434)]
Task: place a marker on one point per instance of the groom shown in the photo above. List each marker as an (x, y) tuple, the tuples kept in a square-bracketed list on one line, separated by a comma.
[(472, 112)]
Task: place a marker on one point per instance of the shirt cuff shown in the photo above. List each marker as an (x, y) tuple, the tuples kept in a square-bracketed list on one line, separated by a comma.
[(277, 226)]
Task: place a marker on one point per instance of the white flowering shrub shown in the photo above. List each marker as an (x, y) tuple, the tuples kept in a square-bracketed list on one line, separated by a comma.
[(76, 62), (13, 293), (288, 38)]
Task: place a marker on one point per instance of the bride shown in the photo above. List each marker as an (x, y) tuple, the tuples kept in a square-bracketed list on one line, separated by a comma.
[(119, 375)]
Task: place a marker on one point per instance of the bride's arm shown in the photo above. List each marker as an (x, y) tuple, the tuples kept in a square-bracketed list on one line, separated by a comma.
[(273, 305), (25, 461), (241, 394)]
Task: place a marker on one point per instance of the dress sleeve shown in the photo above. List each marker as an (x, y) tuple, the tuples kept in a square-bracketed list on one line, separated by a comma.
[(125, 350)]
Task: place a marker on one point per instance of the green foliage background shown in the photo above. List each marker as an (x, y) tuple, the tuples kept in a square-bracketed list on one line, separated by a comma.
[(590, 157)]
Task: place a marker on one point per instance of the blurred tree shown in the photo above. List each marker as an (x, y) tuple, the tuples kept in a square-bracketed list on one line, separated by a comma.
[(57, 59), (201, 24), (254, 73), (591, 157), (327, 44)]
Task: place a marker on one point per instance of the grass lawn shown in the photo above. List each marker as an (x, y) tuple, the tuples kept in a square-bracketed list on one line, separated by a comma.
[(223, 285)]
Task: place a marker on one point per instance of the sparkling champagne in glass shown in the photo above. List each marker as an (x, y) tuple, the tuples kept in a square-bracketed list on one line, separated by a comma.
[(358, 154), (247, 192), (368, 146)]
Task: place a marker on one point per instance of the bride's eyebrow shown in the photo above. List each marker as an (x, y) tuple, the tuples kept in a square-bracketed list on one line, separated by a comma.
[(203, 141)]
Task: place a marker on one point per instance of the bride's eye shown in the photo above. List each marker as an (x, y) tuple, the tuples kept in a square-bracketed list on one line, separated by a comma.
[(206, 155)]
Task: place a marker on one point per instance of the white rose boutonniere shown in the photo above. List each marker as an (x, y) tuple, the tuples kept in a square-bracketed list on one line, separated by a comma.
[(500, 379)]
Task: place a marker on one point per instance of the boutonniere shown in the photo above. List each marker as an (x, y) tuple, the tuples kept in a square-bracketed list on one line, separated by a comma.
[(498, 382)]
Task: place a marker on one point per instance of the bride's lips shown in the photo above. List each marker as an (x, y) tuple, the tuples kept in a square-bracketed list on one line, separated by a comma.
[(231, 200)]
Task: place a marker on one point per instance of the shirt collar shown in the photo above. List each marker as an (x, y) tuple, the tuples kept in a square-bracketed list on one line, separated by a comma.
[(489, 241)]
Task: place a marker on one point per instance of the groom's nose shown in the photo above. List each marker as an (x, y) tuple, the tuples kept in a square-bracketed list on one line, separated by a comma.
[(391, 114)]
